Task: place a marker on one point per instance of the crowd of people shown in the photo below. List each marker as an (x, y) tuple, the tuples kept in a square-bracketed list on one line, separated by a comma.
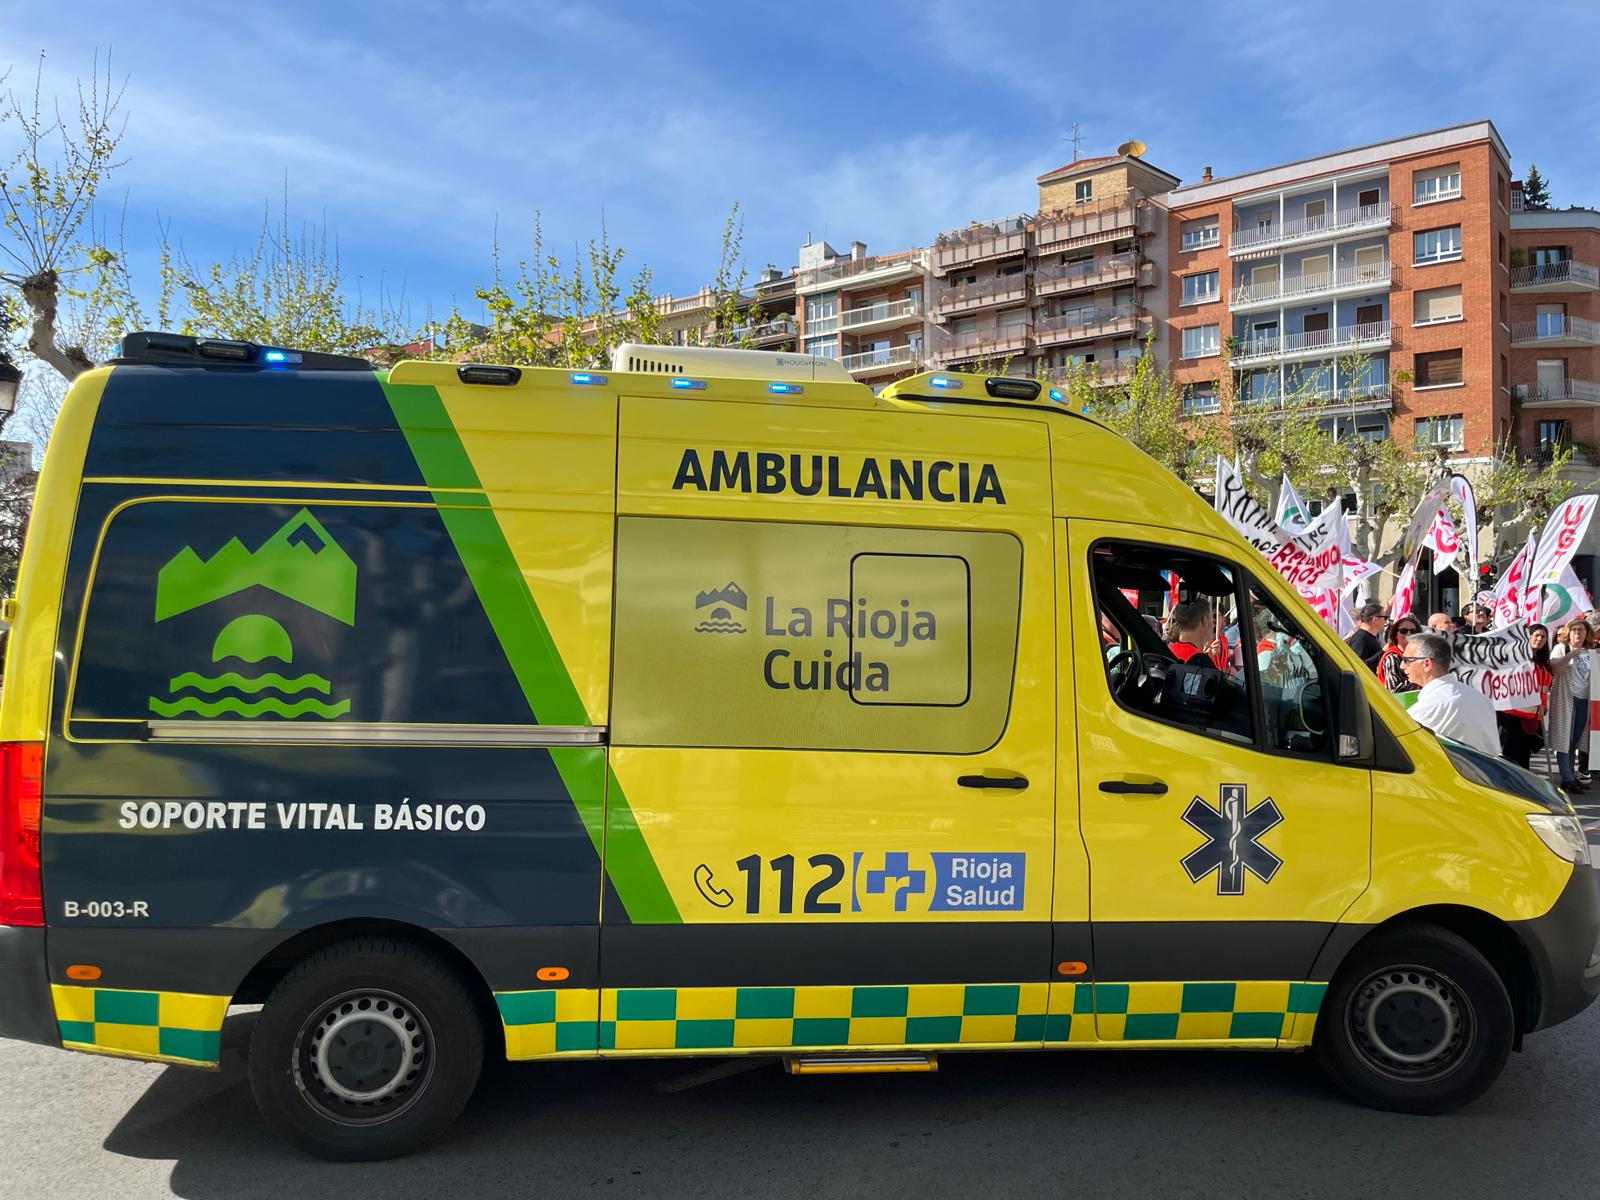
[(1411, 657)]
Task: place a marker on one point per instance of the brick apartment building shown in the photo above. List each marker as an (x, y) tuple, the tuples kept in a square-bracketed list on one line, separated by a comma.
[(1080, 281), (1373, 282), (869, 311)]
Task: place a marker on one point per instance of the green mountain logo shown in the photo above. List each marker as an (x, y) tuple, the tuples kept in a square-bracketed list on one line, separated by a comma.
[(300, 561)]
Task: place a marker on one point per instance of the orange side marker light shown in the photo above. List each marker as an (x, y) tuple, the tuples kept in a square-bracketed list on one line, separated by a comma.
[(1072, 968), (85, 971), (551, 974)]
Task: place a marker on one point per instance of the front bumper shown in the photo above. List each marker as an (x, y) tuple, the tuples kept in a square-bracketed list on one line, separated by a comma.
[(26, 1012), (1564, 945)]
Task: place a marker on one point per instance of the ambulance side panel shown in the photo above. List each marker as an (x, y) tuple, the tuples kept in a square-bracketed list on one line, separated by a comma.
[(308, 676)]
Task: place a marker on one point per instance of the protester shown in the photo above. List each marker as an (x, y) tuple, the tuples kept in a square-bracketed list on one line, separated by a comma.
[(1365, 641), (1481, 617), (1449, 706), (1195, 622), (1569, 699), (1522, 730), (1391, 670), (1443, 622)]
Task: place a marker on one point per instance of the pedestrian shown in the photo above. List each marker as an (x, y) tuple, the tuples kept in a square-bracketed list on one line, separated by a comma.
[(1366, 640), (1569, 700), (1447, 705), (1391, 671), (1522, 729), (1442, 622)]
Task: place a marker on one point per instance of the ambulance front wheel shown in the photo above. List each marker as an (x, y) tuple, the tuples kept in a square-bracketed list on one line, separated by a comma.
[(1416, 1021), (367, 1050)]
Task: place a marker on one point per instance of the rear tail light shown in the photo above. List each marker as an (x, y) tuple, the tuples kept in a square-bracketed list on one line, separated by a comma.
[(21, 802)]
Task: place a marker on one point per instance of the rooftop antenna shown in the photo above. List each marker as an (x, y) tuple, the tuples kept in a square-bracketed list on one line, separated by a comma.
[(1076, 138)]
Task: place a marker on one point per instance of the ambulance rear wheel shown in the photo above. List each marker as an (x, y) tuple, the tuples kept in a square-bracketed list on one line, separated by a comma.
[(1417, 1021), (367, 1050)]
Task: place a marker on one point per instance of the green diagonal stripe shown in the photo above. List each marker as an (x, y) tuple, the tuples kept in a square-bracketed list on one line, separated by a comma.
[(528, 646)]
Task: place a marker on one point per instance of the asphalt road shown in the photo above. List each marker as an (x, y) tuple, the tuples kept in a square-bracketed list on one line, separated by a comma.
[(1094, 1123)]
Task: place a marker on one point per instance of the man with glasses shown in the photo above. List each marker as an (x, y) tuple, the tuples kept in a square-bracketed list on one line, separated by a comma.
[(1448, 706)]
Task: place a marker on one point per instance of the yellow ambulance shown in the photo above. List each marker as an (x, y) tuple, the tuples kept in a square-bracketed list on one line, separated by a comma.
[(712, 705)]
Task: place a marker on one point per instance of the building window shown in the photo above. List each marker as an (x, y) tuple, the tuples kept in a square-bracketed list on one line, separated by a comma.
[(1441, 368), (1503, 258), (1552, 320), (1554, 436), (1434, 432), (1368, 198), (1505, 316), (1200, 288), (1437, 304), (1437, 245), (827, 347), (1197, 235), (1083, 191), (1201, 398), (1436, 183), (1200, 341), (1372, 427)]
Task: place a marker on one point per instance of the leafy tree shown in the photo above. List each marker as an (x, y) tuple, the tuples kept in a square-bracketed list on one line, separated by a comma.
[(288, 290), (65, 286), (1535, 189)]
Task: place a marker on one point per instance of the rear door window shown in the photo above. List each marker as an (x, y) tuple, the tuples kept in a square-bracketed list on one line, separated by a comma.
[(274, 612)]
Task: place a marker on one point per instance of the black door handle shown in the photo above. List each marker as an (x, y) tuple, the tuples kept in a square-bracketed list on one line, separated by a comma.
[(1016, 782), (1123, 786)]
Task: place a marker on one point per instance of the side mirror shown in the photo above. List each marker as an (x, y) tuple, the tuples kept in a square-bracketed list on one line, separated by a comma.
[(1355, 720)]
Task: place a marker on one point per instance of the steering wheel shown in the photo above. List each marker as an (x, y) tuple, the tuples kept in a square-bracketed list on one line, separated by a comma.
[(1138, 679)]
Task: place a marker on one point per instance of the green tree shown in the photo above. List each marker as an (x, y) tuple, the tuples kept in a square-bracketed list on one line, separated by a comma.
[(64, 284), (1147, 409), (1535, 189), (287, 290)]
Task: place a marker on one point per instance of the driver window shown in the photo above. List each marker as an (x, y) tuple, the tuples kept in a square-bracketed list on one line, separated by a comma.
[(1293, 677), (1170, 637)]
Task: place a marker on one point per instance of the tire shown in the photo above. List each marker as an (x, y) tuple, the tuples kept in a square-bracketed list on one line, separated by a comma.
[(1416, 1021), (367, 1050)]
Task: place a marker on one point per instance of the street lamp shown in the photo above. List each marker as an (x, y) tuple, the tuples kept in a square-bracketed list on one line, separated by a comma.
[(10, 381)]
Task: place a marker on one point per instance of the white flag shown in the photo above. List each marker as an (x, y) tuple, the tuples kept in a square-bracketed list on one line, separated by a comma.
[(1405, 593), (1565, 600), (1292, 512), (1441, 539), (1461, 489)]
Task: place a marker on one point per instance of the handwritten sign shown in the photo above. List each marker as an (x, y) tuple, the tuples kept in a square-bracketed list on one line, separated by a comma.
[(1498, 664)]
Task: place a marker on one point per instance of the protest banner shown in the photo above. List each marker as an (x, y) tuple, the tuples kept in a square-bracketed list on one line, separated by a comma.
[(1405, 593), (1563, 534), (1309, 562), (1564, 601), (1498, 664), (1508, 593)]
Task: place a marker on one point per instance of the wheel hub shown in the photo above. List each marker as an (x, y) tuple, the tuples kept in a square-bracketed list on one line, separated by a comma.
[(364, 1057), (1411, 1023)]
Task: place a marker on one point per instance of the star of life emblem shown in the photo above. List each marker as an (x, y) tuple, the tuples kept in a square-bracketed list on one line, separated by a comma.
[(1232, 831)]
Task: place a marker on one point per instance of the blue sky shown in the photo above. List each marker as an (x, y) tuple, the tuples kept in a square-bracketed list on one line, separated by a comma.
[(414, 128)]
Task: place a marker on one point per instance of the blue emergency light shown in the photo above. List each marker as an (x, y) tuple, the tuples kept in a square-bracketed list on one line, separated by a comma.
[(586, 377), (680, 381), (944, 381), (785, 389)]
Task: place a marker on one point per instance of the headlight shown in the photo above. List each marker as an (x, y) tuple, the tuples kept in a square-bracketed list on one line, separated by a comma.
[(1563, 835)]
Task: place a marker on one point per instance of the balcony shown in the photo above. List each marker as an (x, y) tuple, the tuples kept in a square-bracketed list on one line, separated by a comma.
[(1300, 288), (1097, 272), (1316, 343), (1105, 220), (1565, 393), (1308, 230), (1097, 374), (986, 341), (1566, 276), (979, 243), (884, 314), (982, 294), (889, 358), (765, 333), (869, 270), (1088, 326), (1554, 331)]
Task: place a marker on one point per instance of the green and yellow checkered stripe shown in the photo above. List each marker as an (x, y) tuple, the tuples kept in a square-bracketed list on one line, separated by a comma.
[(582, 1022), (1248, 1010), (178, 1027)]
